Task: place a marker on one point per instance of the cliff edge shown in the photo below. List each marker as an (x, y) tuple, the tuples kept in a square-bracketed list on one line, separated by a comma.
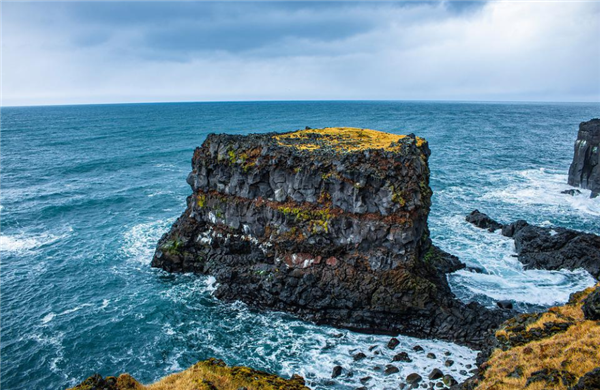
[(329, 224), (585, 168)]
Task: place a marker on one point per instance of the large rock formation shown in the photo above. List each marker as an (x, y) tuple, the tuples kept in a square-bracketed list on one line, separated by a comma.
[(585, 168), (328, 224), (547, 248)]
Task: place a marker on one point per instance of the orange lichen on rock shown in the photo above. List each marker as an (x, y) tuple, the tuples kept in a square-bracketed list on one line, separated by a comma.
[(342, 139), (564, 347)]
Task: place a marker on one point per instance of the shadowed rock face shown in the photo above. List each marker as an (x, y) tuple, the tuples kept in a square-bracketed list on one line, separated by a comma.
[(328, 224), (585, 168)]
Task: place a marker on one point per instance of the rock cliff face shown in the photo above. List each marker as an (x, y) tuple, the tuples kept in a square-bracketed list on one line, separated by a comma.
[(585, 168), (547, 248), (329, 224)]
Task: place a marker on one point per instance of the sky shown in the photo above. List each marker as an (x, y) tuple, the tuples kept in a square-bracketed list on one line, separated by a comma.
[(121, 52)]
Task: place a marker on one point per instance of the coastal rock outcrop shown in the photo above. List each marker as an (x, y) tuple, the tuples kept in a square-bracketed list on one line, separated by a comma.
[(585, 168), (211, 374), (558, 349), (328, 224), (547, 248)]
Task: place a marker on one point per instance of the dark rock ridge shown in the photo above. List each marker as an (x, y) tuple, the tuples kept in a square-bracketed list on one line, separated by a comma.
[(328, 224), (547, 248), (585, 168)]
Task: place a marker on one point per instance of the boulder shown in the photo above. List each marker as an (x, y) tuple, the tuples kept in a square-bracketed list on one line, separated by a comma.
[(584, 171), (591, 306), (482, 221)]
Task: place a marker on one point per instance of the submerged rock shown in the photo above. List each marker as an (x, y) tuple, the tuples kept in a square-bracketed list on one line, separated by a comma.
[(585, 168), (328, 224), (553, 248)]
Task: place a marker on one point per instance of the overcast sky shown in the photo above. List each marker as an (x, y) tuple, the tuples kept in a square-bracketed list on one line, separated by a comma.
[(87, 52)]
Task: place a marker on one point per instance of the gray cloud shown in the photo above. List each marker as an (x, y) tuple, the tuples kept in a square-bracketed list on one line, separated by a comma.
[(56, 53)]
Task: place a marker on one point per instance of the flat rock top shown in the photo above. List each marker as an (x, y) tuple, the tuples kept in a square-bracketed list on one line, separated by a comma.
[(341, 139)]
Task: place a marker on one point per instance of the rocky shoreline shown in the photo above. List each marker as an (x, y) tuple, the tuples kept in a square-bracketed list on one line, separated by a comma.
[(328, 224), (549, 248)]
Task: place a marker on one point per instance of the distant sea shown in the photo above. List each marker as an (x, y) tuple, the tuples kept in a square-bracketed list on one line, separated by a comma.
[(86, 192)]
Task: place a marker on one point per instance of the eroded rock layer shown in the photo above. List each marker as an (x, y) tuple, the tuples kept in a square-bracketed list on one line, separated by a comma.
[(330, 224)]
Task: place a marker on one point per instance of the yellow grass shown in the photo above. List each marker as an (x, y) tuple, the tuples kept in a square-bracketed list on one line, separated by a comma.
[(347, 139), (212, 374), (577, 350)]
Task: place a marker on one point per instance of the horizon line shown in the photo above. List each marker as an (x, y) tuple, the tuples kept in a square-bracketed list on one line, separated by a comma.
[(302, 101)]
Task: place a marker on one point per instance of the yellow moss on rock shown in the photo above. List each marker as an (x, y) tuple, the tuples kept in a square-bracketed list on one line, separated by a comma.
[(346, 139)]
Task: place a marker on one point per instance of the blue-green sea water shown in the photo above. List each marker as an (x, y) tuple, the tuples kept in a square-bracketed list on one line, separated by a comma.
[(86, 191)]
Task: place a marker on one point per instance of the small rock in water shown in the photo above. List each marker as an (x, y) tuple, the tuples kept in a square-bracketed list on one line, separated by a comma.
[(571, 192), (431, 355), (506, 305), (449, 363), (337, 371), (449, 380), (372, 347), (402, 357), (417, 348), (359, 356), (436, 374), (463, 372), (439, 384), (468, 366), (447, 353), (393, 343), (365, 379), (413, 378), (389, 369), (377, 368)]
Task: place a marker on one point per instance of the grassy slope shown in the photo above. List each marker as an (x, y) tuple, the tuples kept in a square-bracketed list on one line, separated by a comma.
[(560, 341)]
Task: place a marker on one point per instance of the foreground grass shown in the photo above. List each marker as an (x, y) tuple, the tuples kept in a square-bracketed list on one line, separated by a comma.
[(210, 374), (551, 350)]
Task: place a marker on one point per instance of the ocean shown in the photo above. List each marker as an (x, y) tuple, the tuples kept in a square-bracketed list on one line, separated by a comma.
[(86, 192)]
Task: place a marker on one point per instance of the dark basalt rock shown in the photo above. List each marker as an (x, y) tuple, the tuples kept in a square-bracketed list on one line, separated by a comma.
[(393, 343), (551, 377), (585, 168), (337, 371), (334, 236), (591, 306), (590, 380), (402, 357), (483, 221), (436, 374), (553, 248)]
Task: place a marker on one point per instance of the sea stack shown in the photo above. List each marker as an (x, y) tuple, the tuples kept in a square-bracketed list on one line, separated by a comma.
[(329, 224), (585, 168)]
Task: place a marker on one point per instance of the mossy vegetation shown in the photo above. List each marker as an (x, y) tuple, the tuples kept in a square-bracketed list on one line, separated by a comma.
[(211, 374), (319, 219), (200, 200), (173, 247), (549, 350), (342, 139)]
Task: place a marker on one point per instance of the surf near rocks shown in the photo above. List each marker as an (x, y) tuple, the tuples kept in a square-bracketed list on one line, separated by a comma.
[(329, 224)]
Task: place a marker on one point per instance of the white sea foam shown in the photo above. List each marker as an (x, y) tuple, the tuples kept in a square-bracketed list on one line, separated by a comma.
[(140, 240), (542, 188), (48, 317), (21, 242)]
